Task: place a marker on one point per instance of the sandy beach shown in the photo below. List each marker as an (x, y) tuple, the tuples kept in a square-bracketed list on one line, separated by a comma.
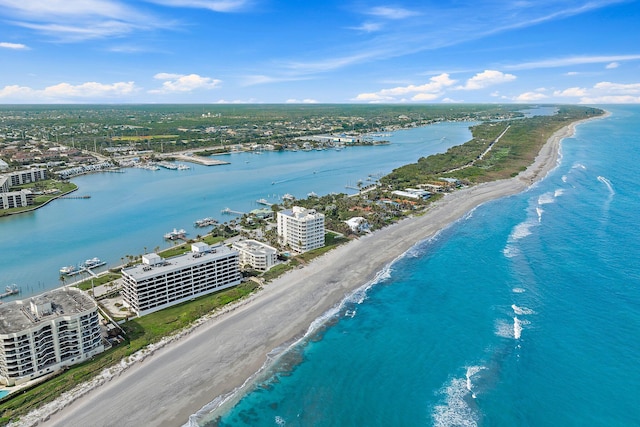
[(213, 359)]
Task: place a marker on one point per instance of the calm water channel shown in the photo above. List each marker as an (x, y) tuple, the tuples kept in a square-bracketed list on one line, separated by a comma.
[(128, 213)]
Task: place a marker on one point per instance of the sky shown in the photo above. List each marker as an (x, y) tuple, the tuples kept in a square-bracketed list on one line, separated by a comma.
[(310, 51)]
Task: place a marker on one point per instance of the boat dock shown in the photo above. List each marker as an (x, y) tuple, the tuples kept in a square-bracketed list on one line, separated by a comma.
[(227, 211), (205, 222), (176, 234), (86, 266), (10, 290)]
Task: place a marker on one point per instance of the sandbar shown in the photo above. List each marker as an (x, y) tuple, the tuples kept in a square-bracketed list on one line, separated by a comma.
[(215, 358)]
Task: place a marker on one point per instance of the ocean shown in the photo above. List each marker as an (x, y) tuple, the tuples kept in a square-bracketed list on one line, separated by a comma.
[(526, 312)]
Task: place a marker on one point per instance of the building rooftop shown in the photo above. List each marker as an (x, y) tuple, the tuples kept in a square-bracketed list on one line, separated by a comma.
[(254, 247), (16, 316), (154, 265)]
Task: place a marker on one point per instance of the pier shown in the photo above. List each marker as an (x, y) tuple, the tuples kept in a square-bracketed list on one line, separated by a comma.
[(10, 290), (227, 211), (75, 197)]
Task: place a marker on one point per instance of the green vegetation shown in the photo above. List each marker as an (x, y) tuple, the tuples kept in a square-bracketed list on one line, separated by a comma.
[(140, 332), (44, 192), (516, 150), (97, 281)]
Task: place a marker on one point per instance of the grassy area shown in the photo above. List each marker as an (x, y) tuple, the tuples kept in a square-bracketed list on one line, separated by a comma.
[(40, 200), (280, 269), (140, 333), (98, 281)]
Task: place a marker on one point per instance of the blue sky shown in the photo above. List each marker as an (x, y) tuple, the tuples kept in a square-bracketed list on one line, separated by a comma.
[(348, 51)]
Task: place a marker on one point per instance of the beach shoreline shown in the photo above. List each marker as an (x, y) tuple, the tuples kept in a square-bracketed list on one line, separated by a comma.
[(181, 377)]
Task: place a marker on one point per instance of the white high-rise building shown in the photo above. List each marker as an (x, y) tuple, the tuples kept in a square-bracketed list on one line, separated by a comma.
[(158, 283), (256, 254), (300, 228), (45, 333)]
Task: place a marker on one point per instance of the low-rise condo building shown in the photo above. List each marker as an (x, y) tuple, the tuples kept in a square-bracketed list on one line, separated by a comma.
[(301, 229), (256, 254), (45, 333), (16, 199), (27, 176), (158, 283)]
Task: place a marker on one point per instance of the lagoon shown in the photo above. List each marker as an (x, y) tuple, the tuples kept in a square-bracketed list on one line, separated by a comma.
[(128, 213)]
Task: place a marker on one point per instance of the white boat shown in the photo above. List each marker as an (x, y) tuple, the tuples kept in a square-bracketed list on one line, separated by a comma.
[(288, 197), (69, 269), (92, 263), (175, 234)]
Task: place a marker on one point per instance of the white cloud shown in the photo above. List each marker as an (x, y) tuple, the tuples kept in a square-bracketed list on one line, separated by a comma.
[(184, 83), (89, 90), (570, 61), (572, 73), (612, 65), (611, 99), (425, 92), (530, 97), (15, 46), (618, 88), (603, 93), (571, 92), (67, 92), (487, 78), (77, 20), (298, 101), (213, 5), (368, 27), (391, 12)]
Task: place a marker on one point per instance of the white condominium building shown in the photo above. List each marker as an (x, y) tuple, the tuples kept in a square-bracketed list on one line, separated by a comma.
[(44, 333), (16, 199), (302, 229), (27, 176), (256, 254), (158, 283)]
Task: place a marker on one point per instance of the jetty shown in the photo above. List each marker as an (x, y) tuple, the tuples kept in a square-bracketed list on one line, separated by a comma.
[(176, 234), (75, 197), (10, 290), (227, 211), (205, 222), (200, 160), (86, 266)]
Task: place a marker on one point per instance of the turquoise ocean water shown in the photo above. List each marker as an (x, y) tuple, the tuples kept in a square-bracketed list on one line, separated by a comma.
[(524, 313)]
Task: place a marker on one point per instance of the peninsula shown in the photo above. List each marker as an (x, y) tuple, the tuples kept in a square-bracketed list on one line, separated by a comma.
[(219, 356)]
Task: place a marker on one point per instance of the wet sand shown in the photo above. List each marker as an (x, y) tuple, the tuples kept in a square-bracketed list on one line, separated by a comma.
[(176, 380)]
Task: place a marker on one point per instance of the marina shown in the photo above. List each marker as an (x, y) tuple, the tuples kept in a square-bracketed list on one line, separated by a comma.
[(205, 222), (175, 234), (133, 210), (85, 266)]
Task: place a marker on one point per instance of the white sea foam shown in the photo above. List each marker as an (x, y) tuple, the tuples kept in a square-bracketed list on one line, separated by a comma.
[(606, 182), (518, 290), (504, 328), (539, 211), (579, 166), (280, 421), (520, 231), (522, 311), (456, 410), (559, 192), (471, 371), (510, 251), (546, 199), (517, 328), (564, 178)]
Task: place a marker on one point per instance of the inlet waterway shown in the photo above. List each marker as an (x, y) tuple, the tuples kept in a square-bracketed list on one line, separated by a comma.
[(129, 213)]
